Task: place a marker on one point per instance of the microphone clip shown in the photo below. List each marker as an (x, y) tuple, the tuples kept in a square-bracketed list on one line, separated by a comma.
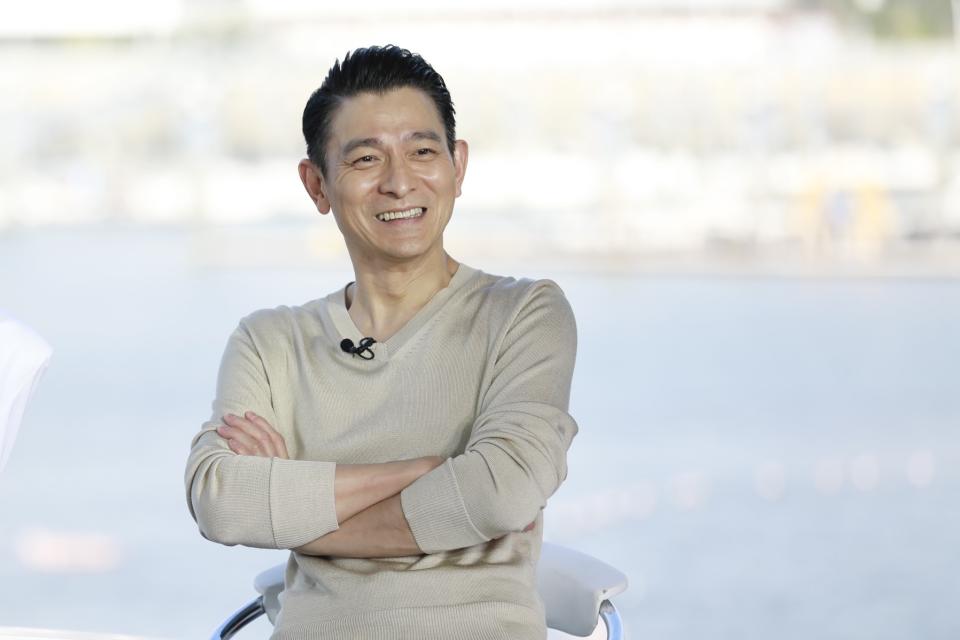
[(363, 349)]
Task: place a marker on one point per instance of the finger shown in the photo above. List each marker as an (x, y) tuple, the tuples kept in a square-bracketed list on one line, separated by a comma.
[(249, 435), (237, 448), (232, 443), (264, 433), (237, 440), (231, 431), (279, 444), (264, 443)]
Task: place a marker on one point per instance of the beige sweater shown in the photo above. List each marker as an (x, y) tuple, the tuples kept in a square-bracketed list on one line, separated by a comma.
[(480, 375)]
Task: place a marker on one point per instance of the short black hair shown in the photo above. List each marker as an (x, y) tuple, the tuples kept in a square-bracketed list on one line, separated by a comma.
[(372, 70)]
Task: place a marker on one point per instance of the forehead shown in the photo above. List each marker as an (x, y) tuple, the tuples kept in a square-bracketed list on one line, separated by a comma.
[(382, 115)]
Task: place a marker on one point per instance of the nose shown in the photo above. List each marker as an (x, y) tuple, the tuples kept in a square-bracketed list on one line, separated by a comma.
[(397, 179)]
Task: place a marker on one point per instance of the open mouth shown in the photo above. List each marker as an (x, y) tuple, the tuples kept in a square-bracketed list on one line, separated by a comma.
[(406, 214)]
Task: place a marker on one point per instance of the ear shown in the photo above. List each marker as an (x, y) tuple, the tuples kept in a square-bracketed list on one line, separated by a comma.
[(460, 154), (313, 182)]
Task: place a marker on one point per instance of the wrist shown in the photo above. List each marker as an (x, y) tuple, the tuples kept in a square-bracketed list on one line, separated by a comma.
[(429, 463)]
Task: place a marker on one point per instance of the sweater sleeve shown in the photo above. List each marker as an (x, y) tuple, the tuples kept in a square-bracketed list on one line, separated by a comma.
[(252, 500), (516, 454)]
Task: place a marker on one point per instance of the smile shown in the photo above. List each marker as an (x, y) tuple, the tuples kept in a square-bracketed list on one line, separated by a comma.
[(387, 216)]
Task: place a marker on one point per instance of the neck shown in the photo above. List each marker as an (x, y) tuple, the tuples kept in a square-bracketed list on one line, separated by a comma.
[(383, 300)]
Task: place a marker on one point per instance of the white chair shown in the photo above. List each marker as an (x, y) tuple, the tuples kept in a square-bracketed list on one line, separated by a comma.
[(23, 358), (575, 589)]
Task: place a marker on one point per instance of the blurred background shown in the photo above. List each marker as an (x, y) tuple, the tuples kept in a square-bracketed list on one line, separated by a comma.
[(752, 205)]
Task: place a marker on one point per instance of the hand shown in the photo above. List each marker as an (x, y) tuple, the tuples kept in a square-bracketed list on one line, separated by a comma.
[(252, 436)]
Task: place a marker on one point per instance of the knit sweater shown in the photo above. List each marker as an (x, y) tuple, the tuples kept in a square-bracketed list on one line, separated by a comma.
[(480, 376)]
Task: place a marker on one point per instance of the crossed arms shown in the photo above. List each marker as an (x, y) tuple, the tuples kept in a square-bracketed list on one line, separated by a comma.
[(367, 496), (243, 489)]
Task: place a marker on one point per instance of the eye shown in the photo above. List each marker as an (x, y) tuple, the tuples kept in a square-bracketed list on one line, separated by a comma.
[(362, 160), (425, 151)]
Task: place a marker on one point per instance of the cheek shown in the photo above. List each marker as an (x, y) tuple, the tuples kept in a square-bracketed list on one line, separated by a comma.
[(355, 188), (430, 170), (441, 179)]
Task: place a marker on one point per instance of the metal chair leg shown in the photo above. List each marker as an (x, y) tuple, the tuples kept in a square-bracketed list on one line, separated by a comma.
[(611, 619), (253, 610)]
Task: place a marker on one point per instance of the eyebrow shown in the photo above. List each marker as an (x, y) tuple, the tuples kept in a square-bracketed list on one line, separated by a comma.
[(426, 135), (377, 142)]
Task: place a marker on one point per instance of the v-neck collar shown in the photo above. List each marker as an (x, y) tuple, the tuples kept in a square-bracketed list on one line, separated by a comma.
[(340, 315)]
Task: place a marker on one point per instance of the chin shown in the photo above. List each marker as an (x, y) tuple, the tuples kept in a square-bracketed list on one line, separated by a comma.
[(408, 252)]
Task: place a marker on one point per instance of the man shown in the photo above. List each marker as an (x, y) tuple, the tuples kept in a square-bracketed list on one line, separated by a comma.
[(402, 434)]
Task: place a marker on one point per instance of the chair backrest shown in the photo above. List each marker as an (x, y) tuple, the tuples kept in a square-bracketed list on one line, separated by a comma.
[(23, 358)]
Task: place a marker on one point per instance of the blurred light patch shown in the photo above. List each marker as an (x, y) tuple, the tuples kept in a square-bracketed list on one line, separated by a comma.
[(921, 468), (287, 9), (76, 199), (865, 472), (161, 196), (552, 181), (235, 192), (770, 480), (56, 18), (642, 500), (829, 476), (689, 490), (48, 551), (601, 510)]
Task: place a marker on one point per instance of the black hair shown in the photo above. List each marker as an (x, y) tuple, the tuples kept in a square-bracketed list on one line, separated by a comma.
[(373, 70)]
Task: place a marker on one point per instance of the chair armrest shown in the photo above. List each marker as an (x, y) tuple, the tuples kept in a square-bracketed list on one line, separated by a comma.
[(269, 584), (572, 585)]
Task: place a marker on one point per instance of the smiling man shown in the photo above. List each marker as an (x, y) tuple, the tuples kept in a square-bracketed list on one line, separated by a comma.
[(402, 434)]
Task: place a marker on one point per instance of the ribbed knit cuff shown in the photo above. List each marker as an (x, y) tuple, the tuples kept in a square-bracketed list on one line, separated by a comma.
[(435, 511), (302, 503)]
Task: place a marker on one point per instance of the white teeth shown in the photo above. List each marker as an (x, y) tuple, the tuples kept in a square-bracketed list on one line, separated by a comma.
[(393, 215)]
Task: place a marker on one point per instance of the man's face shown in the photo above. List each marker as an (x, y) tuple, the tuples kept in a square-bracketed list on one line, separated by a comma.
[(387, 158)]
